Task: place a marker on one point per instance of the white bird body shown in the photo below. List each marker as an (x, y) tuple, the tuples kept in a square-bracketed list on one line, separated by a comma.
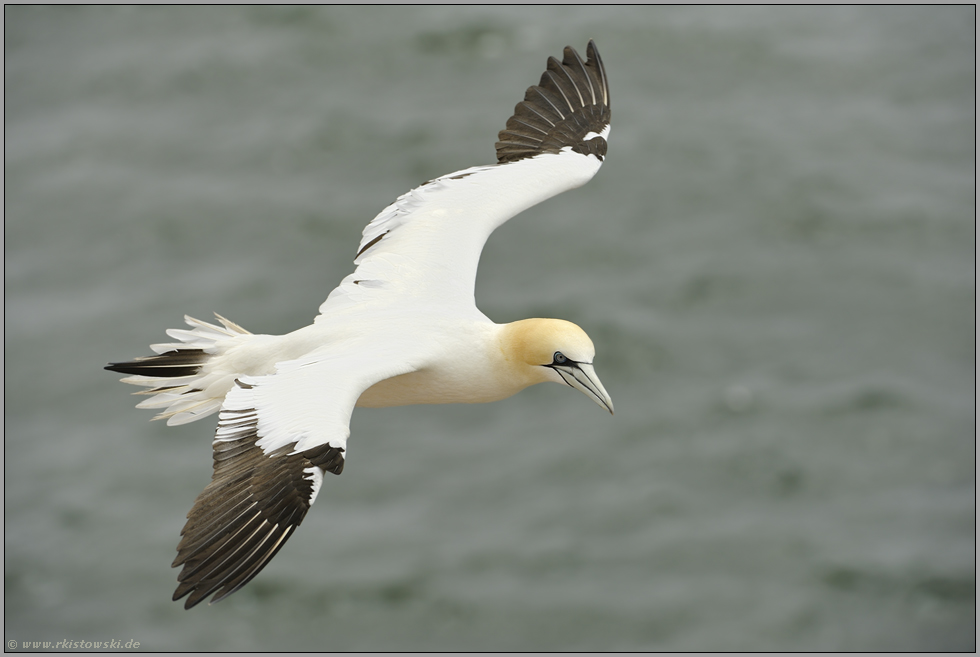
[(402, 329)]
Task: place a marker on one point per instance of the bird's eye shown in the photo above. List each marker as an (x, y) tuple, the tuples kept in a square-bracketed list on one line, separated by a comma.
[(560, 358)]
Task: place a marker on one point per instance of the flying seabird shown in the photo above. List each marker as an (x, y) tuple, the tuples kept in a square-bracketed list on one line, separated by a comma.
[(402, 329)]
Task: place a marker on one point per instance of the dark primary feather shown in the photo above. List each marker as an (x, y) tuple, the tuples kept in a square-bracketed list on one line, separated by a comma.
[(570, 101), (245, 515)]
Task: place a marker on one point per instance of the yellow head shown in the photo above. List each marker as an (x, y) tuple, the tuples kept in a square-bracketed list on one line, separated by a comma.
[(540, 350)]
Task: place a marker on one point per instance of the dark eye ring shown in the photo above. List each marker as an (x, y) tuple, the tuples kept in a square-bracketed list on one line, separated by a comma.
[(560, 358)]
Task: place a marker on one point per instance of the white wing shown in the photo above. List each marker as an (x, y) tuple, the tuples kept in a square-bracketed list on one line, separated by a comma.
[(277, 436), (428, 242)]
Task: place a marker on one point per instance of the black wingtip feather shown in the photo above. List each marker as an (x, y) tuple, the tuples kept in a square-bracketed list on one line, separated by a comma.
[(244, 516), (570, 101)]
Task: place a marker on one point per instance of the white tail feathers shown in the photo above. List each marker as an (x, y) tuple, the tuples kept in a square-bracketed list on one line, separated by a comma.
[(202, 336), (187, 378)]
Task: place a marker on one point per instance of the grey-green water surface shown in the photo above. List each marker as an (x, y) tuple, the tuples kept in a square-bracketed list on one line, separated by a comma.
[(776, 264)]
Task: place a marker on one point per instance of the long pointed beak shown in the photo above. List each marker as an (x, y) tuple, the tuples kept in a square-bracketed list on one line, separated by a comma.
[(582, 376)]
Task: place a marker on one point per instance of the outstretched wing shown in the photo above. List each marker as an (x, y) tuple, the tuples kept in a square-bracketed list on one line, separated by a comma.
[(428, 242), (277, 436)]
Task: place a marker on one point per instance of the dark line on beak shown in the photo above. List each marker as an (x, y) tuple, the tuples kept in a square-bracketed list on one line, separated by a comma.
[(591, 382)]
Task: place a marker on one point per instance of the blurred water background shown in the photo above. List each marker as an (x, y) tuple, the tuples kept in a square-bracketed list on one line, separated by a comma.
[(776, 264)]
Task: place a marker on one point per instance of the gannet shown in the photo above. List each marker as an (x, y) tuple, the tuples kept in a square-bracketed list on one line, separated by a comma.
[(402, 329)]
